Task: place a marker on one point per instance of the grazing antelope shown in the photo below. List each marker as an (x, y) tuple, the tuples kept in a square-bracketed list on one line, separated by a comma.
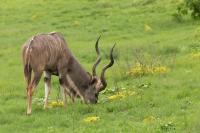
[(49, 53)]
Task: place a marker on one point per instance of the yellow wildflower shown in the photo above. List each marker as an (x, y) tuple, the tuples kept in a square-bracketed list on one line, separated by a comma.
[(149, 119), (34, 17), (76, 23), (91, 119), (56, 104), (141, 70), (116, 96), (121, 95), (195, 55), (147, 28), (131, 93), (160, 69)]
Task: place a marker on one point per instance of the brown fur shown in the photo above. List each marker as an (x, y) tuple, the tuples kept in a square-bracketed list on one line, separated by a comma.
[(50, 53)]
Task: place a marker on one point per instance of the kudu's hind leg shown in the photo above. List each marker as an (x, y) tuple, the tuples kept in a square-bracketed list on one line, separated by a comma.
[(47, 82), (30, 90)]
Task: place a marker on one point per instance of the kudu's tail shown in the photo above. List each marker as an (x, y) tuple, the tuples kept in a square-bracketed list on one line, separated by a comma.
[(26, 62), (27, 73)]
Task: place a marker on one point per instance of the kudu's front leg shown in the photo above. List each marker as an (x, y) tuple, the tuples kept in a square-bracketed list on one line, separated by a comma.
[(64, 87), (47, 82)]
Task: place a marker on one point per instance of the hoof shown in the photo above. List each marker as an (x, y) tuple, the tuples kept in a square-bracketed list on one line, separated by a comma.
[(28, 113)]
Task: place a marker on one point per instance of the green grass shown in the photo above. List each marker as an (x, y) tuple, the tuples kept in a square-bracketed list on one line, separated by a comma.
[(173, 99)]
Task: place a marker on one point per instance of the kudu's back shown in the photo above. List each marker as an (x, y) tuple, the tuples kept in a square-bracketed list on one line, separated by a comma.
[(45, 51)]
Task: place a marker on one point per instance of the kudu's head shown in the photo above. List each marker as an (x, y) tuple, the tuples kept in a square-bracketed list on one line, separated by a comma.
[(97, 84)]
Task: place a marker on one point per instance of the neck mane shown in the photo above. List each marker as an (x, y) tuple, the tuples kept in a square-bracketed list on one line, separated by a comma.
[(78, 77)]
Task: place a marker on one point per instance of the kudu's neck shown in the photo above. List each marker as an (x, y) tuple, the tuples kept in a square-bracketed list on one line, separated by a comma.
[(78, 76)]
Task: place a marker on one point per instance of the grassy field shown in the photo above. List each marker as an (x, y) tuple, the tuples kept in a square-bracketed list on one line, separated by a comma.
[(144, 30)]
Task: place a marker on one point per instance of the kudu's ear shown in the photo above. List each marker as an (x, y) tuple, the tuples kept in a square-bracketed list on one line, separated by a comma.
[(92, 78)]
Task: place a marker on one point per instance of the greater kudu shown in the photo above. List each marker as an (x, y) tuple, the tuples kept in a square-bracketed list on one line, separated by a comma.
[(49, 53)]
